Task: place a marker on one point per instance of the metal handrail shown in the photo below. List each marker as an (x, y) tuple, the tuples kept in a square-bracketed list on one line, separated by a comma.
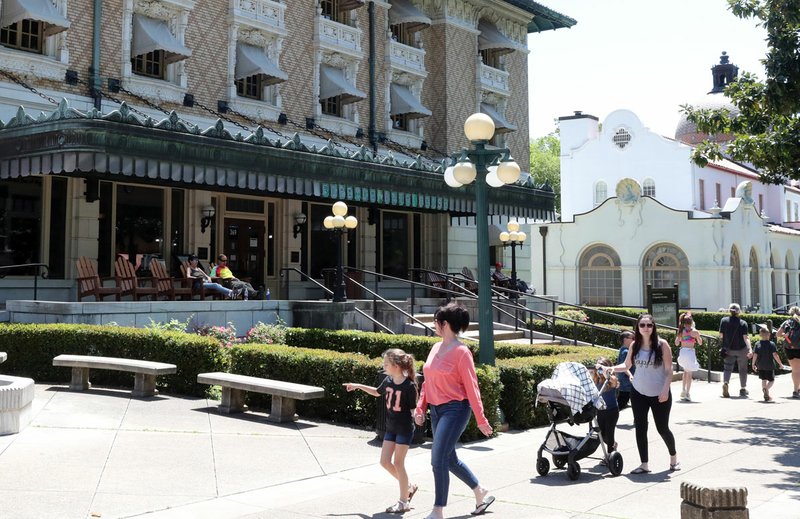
[(330, 292), (41, 273)]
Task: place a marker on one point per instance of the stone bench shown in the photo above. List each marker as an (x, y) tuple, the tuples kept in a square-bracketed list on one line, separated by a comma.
[(284, 394), (16, 397), (3, 357), (145, 371)]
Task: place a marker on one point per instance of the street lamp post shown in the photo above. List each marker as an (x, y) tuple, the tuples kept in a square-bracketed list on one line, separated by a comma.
[(339, 223), (495, 168), (513, 238)]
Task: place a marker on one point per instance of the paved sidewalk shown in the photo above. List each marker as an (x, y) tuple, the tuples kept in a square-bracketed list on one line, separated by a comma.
[(103, 454)]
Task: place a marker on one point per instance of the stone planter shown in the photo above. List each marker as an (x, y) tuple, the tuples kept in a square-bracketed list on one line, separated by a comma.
[(16, 396), (713, 503)]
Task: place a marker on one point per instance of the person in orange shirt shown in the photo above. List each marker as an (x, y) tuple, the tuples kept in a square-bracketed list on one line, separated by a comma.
[(222, 271), (451, 389)]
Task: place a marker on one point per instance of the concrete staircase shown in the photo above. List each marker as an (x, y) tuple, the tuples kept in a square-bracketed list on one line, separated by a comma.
[(502, 332)]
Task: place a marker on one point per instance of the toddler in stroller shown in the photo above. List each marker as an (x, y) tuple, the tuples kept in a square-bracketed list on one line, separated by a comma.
[(570, 396)]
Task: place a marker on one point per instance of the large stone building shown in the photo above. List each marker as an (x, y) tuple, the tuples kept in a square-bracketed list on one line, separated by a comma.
[(636, 210), (241, 115)]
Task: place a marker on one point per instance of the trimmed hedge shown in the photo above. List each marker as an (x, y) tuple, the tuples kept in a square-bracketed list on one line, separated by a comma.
[(702, 320), (520, 377), (374, 344), (31, 348), (331, 369)]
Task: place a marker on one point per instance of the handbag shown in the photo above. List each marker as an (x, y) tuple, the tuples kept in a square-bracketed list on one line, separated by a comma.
[(723, 352)]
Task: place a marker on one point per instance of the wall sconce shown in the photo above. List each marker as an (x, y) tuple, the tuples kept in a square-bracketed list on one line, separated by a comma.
[(299, 222), (208, 215)]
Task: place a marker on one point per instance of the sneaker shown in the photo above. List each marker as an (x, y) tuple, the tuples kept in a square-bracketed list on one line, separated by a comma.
[(725, 393), (743, 392), (683, 395), (795, 394), (766, 395), (688, 397)]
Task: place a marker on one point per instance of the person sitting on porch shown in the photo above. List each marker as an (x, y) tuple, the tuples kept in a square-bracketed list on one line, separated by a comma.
[(196, 274), (500, 279), (229, 280)]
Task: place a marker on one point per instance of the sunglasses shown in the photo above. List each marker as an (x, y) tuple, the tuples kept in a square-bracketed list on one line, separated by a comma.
[(645, 325)]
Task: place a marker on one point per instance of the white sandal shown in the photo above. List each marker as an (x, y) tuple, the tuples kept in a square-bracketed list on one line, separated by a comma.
[(398, 508)]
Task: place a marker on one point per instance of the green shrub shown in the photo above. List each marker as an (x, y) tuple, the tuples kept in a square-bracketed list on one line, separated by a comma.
[(31, 348), (367, 343), (329, 370)]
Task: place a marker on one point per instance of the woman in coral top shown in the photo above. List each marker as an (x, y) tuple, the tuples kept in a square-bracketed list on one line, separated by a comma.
[(451, 390)]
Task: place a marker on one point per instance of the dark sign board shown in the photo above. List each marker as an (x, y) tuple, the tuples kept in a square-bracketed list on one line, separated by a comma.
[(662, 303)]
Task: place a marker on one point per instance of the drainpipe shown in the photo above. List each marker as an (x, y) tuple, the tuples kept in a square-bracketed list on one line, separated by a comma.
[(543, 232), (373, 137), (94, 70)]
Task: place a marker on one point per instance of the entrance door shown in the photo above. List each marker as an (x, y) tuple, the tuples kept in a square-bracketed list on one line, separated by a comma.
[(244, 246)]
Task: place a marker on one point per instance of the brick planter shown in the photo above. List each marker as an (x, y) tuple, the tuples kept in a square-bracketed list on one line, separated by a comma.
[(713, 503)]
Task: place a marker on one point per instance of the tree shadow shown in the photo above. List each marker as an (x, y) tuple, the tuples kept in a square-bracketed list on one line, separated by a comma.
[(778, 433)]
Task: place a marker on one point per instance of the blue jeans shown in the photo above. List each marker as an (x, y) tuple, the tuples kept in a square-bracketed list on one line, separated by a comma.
[(448, 421)]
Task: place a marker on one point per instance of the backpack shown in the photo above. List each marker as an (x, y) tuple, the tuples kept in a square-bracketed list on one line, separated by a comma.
[(793, 334)]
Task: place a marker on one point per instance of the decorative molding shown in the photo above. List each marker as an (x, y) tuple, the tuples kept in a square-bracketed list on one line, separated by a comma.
[(156, 90), (338, 125), (258, 110), (407, 59), (407, 139), (494, 81), (265, 15), (337, 37), (33, 66)]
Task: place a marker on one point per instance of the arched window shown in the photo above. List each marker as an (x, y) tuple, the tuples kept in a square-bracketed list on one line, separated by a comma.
[(736, 277), (664, 265), (755, 285), (649, 187), (600, 277), (600, 192)]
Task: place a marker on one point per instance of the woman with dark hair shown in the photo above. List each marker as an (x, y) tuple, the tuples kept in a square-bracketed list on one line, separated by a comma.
[(451, 390), (652, 358)]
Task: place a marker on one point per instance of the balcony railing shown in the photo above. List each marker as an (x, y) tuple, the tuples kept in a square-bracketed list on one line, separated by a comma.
[(339, 36), (407, 58), (264, 11), (494, 80)]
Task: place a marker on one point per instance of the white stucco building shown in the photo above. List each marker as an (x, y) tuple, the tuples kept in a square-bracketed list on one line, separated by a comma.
[(636, 210)]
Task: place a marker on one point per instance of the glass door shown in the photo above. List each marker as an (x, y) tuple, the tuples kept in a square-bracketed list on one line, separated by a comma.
[(244, 245)]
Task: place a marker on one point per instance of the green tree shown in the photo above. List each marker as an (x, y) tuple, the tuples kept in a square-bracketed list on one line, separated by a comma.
[(546, 163), (766, 132)]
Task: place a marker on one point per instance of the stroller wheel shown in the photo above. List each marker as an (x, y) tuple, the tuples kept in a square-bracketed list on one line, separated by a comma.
[(573, 471), (615, 463), (542, 466), (559, 461)]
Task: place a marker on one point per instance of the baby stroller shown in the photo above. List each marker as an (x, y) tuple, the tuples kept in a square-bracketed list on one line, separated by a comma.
[(570, 396)]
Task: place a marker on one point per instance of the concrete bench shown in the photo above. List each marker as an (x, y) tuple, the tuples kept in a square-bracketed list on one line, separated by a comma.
[(3, 357), (16, 397), (145, 371), (284, 394)]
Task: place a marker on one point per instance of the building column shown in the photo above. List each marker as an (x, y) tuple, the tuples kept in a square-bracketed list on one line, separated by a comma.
[(84, 224)]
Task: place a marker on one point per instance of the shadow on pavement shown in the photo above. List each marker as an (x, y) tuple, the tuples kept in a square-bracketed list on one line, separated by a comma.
[(764, 432)]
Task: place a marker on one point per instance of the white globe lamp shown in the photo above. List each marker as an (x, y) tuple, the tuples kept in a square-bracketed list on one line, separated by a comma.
[(479, 127)]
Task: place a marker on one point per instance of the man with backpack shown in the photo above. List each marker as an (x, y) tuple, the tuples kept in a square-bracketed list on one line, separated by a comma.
[(736, 348), (790, 331)]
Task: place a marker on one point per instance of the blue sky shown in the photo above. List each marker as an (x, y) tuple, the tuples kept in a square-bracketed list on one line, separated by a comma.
[(643, 55)]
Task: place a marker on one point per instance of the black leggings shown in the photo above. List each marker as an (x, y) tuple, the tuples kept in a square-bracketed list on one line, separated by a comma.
[(641, 404), (607, 421)]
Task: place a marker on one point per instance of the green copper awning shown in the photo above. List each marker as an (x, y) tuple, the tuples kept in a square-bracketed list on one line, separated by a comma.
[(121, 147), (544, 18)]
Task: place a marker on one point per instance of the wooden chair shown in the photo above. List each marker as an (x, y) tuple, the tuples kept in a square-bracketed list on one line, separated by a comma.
[(129, 283), (166, 285), (90, 283), (469, 283), (197, 289)]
